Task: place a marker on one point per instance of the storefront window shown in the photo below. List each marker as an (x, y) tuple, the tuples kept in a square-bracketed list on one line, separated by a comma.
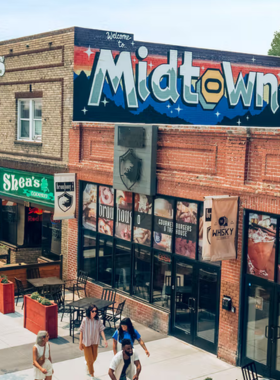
[(142, 219), (33, 227), (142, 273), (122, 266), (89, 253), (162, 280), (106, 210), (163, 224), (186, 229), (124, 215), (105, 261), (51, 236), (261, 246), (9, 222)]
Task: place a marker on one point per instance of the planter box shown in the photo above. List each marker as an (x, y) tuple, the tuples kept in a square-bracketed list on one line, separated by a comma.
[(40, 317), (7, 298)]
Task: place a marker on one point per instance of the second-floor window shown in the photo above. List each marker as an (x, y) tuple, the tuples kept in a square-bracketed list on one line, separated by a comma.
[(30, 119)]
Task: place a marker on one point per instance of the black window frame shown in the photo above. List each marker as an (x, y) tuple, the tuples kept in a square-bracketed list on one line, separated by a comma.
[(134, 245)]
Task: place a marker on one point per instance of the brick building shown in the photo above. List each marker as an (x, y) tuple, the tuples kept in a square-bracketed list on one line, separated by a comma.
[(36, 95), (217, 120)]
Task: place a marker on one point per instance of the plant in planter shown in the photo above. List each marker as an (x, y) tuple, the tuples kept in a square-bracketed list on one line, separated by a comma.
[(40, 314), (7, 296), (208, 378), (3, 279)]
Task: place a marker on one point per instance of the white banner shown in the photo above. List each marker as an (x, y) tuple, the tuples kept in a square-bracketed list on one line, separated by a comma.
[(65, 196), (224, 228), (207, 218)]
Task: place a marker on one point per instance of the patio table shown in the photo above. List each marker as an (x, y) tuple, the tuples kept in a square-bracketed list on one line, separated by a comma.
[(40, 282)]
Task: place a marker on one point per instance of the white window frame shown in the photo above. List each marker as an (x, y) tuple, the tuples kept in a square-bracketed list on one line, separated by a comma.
[(31, 120)]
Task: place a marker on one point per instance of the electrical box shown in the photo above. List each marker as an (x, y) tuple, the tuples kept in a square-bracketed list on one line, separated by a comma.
[(227, 303)]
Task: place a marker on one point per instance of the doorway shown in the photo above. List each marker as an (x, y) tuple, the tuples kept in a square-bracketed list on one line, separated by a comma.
[(195, 303), (261, 340)]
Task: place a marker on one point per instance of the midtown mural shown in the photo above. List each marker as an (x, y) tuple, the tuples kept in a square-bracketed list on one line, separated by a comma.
[(118, 79)]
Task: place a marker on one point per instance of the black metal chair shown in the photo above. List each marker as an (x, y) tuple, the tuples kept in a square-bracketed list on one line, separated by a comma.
[(109, 294), (249, 371), (21, 291), (59, 299), (49, 291), (76, 317), (33, 273), (78, 283), (116, 315)]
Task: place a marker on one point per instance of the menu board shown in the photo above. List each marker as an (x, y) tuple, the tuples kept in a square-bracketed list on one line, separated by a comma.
[(142, 219), (106, 210), (90, 206), (124, 215), (163, 224), (261, 246), (186, 229)]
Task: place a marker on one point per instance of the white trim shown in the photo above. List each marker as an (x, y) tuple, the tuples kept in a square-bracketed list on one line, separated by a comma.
[(31, 120)]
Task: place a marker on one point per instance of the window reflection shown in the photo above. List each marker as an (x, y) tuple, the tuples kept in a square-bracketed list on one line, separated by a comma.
[(162, 280), (142, 271), (89, 253), (122, 267), (105, 262)]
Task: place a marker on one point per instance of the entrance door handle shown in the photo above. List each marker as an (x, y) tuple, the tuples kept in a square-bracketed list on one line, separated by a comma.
[(272, 335), (194, 301), (266, 331), (190, 305)]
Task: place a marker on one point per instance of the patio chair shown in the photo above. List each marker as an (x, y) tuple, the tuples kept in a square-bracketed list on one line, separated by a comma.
[(49, 291), (116, 316), (33, 273), (76, 317), (78, 283), (59, 299), (21, 291), (249, 371), (109, 294)]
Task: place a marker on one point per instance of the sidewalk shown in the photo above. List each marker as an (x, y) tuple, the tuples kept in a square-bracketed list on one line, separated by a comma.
[(171, 359)]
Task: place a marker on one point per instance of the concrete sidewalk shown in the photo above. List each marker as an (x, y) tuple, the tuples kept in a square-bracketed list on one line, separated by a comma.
[(170, 358)]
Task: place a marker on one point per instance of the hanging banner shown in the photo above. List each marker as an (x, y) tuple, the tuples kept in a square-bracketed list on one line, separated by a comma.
[(207, 228), (65, 196), (223, 228)]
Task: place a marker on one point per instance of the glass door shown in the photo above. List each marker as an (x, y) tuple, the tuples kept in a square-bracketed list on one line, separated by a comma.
[(195, 305), (207, 309), (275, 338), (184, 301)]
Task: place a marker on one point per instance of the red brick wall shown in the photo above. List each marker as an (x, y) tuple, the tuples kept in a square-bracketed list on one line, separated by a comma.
[(193, 162)]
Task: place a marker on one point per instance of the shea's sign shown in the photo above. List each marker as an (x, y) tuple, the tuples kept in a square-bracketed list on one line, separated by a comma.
[(121, 80), (31, 187)]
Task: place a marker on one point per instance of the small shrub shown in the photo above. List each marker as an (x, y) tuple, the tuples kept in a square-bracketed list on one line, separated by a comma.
[(45, 301), (208, 378), (4, 279), (35, 296)]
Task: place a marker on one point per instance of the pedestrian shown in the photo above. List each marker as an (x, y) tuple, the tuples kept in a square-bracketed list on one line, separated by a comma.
[(90, 331), (42, 362), (127, 331), (122, 366)]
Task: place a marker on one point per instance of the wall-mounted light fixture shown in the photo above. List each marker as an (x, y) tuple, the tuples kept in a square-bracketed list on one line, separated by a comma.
[(11, 50), (27, 45), (50, 44)]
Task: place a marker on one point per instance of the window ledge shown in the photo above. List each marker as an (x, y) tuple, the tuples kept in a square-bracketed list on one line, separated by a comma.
[(24, 142)]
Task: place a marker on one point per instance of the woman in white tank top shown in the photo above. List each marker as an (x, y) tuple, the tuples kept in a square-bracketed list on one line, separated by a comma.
[(44, 371)]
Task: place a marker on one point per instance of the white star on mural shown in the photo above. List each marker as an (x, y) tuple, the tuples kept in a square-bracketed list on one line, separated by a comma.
[(253, 59), (171, 111), (88, 52), (239, 122), (104, 101), (134, 60), (84, 110), (247, 118), (202, 67), (217, 114), (151, 65), (179, 109), (278, 74), (132, 43), (168, 106)]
